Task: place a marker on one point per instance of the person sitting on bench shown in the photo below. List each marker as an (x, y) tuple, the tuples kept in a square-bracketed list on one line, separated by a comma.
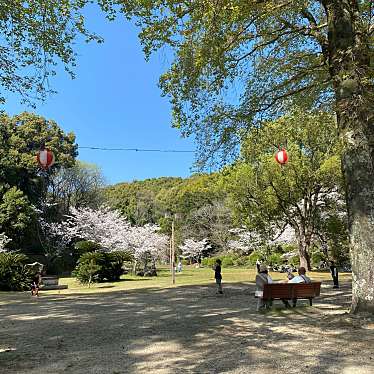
[(301, 278), (262, 278)]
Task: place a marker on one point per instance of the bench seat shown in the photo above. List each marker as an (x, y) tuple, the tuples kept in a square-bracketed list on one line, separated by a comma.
[(291, 291)]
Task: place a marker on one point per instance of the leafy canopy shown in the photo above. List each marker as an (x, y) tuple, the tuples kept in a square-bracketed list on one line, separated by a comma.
[(236, 61)]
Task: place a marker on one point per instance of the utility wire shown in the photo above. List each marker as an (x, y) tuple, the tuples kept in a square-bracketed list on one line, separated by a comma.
[(137, 150)]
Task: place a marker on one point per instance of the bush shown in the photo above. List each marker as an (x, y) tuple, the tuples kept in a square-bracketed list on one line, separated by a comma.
[(100, 266), (253, 257), (14, 275), (275, 259), (85, 246), (227, 261), (241, 261), (294, 261), (317, 258), (209, 261)]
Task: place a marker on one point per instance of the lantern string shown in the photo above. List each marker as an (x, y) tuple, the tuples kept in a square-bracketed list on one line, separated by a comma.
[(136, 149)]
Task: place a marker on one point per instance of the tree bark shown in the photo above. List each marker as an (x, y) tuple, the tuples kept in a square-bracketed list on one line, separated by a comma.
[(304, 254), (349, 65)]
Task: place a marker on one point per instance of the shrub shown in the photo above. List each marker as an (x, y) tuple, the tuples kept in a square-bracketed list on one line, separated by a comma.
[(241, 261), (100, 266), (227, 261), (294, 261), (253, 257), (14, 275), (88, 272), (317, 258), (275, 259), (209, 261), (85, 246)]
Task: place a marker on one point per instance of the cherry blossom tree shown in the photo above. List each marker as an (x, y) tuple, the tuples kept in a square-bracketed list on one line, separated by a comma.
[(194, 249), (246, 240), (103, 226), (147, 244)]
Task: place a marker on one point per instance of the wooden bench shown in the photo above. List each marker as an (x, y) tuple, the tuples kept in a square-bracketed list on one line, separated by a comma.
[(292, 291)]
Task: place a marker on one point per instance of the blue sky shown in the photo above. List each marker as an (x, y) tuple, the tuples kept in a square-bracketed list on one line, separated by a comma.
[(115, 102)]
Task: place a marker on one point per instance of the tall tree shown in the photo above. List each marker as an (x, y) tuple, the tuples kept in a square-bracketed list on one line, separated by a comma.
[(268, 197), (78, 186), (22, 183), (270, 51)]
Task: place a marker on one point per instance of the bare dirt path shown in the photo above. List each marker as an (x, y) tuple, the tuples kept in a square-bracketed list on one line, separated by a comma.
[(181, 330)]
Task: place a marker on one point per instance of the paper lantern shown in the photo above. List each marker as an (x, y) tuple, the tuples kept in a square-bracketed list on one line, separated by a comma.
[(281, 156), (45, 158)]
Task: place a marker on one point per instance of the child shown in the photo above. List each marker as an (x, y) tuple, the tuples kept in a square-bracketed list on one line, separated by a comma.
[(218, 275), (179, 267), (35, 285)]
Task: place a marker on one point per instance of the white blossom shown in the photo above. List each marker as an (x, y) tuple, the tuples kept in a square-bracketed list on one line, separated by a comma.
[(4, 240), (103, 226), (246, 242), (193, 248)]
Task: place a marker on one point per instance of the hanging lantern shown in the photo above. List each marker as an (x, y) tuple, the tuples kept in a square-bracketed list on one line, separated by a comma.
[(45, 158), (281, 156)]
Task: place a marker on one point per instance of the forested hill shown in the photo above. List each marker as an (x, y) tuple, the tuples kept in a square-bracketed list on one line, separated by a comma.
[(149, 201)]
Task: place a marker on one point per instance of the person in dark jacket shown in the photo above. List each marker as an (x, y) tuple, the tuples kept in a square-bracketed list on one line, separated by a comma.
[(334, 274), (218, 275)]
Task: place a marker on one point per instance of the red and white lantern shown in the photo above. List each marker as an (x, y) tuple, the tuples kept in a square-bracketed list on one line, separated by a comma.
[(45, 158), (281, 156)]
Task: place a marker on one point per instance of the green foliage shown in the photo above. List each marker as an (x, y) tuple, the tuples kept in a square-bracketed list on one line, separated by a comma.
[(87, 272), (241, 261), (100, 266), (295, 261), (38, 36), (15, 213), (21, 182), (227, 261), (275, 259), (253, 257), (85, 246), (209, 261), (78, 186), (14, 275), (265, 51), (198, 201), (317, 258)]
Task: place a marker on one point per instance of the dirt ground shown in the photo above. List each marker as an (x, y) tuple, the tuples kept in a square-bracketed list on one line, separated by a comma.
[(181, 330)]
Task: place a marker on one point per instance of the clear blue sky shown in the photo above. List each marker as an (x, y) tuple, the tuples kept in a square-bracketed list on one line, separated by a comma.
[(115, 102)]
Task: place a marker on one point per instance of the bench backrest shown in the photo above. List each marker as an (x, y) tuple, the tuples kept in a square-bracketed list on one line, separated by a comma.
[(291, 290)]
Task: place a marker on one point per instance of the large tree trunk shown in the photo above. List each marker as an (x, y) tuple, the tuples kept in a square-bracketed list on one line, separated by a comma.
[(304, 253), (349, 61)]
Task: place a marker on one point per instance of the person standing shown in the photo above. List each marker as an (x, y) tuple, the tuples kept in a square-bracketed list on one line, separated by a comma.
[(218, 275), (179, 267), (258, 264), (334, 274)]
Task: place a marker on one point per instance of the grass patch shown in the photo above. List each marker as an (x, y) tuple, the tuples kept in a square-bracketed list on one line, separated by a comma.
[(190, 276)]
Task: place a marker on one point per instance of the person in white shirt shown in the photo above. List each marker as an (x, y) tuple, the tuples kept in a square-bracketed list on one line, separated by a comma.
[(301, 278)]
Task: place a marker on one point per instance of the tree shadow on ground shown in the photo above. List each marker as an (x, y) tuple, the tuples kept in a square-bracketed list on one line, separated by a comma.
[(181, 330)]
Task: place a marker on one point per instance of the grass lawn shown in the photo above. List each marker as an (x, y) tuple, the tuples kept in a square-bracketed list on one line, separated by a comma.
[(190, 276)]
